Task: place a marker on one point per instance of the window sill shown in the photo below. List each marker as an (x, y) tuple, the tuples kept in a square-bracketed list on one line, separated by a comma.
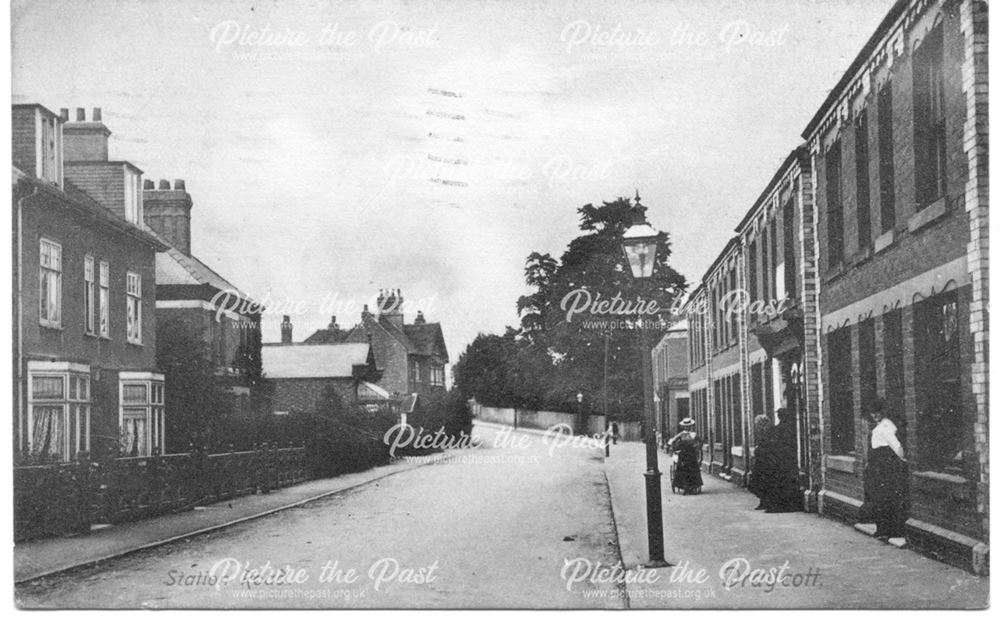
[(833, 272), (952, 479), (884, 241), (50, 327), (860, 256), (927, 215), (842, 463)]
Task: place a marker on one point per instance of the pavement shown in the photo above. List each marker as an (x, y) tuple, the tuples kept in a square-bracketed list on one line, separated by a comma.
[(716, 542)]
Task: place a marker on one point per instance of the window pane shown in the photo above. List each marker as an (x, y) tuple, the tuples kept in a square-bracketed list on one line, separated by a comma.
[(48, 431), (134, 393), (47, 387), (134, 427)]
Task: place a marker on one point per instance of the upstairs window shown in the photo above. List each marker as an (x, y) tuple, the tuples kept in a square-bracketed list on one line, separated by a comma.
[(88, 295), (886, 164), (930, 159), (104, 301), (133, 294), (133, 197), (50, 284), (437, 375), (834, 208), (862, 179), (788, 220)]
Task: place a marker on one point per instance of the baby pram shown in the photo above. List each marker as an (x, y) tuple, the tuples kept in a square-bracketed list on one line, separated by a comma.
[(685, 467)]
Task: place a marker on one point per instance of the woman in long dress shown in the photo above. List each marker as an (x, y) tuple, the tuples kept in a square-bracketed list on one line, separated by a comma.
[(687, 445), (886, 478)]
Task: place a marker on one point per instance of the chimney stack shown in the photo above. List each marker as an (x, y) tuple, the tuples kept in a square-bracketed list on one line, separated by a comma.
[(85, 141), (333, 323), (286, 330), (390, 306), (64, 114), (168, 212)]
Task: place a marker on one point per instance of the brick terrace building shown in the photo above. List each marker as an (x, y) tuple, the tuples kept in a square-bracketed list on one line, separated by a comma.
[(899, 152), (84, 326), (875, 235)]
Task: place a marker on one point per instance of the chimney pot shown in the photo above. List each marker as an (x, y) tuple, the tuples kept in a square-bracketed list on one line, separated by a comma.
[(97, 115), (148, 184), (178, 184), (64, 114), (81, 114), (164, 184)]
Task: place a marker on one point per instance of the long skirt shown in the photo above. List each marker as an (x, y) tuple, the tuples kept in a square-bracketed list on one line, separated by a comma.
[(886, 492), (687, 474)]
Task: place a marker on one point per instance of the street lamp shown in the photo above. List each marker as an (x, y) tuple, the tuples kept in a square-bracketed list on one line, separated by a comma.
[(579, 413), (639, 246)]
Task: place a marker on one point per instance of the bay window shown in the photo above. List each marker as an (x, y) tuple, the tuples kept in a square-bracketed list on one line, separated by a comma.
[(58, 425), (141, 417)]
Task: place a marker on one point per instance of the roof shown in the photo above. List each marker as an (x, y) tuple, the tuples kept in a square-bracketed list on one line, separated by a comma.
[(881, 31), (369, 391), (313, 361), (173, 267), (78, 199), (797, 155), (426, 338)]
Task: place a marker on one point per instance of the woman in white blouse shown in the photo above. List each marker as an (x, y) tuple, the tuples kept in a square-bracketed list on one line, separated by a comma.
[(886, 478)]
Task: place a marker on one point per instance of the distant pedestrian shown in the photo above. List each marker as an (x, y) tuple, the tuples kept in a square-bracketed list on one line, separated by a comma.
[(761, 425), (614, 433), (886, 477), (687, 446)]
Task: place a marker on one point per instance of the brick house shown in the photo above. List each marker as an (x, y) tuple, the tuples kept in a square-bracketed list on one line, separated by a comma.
[(670, 378), (193, 297), (84, 320), (412, 357), (300, 375), (899, 153)]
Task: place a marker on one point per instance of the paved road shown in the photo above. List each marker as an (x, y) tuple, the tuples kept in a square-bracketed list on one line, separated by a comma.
[(489, 528)]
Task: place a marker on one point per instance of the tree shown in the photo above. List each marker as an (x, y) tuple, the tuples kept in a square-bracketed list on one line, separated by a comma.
[(554, 355), (196, 404)]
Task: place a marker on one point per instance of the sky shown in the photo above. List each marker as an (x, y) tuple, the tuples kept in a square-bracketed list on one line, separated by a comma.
[(333, 149)]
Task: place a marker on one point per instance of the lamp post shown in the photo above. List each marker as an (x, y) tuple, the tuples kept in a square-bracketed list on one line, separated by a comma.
[(579, 414), (639, 246)]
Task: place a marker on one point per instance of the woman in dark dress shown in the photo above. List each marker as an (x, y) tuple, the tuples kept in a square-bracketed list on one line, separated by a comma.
[(687, 445), (775, 477), (886, 478)]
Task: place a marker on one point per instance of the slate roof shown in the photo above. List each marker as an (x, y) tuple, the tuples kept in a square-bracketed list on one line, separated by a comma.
[(173, 267), (82, 202), (424, 337), (313, 361)]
